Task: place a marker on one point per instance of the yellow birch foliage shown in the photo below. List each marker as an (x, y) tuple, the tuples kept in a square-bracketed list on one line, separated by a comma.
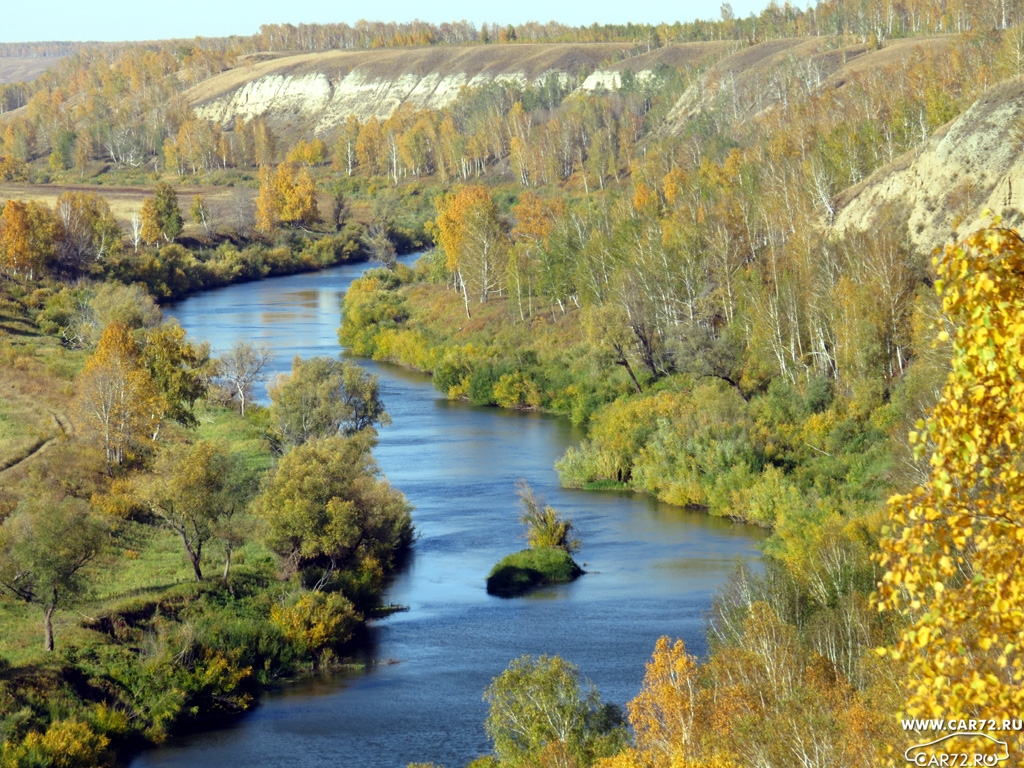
[(474, 241), (453, 212), (151, 229), (674, 718), (287, 196), (663, 713), (28, 232), (953, 549), (298, 191), (268, 202), (117, 401), (15, 243)]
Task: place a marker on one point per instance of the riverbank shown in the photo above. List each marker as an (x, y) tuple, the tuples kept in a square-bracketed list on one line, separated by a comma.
[(153, 653), (758, 452), (458, 466), (147, 651)]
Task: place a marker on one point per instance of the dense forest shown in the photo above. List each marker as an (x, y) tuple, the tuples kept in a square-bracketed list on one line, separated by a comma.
[(658, 259)]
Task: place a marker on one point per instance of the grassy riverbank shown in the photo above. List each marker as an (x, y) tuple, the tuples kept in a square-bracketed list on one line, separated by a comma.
[(142, 648)]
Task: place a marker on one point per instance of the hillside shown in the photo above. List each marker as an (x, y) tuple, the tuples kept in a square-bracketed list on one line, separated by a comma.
[(23, 69), (970, 166), (316, 92), (760, 76)]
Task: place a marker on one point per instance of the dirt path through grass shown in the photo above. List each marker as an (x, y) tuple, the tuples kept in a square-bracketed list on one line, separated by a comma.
[(66, 429)]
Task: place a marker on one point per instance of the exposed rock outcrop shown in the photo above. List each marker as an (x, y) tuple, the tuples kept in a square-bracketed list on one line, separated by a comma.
[(317, 92), (972, 165)]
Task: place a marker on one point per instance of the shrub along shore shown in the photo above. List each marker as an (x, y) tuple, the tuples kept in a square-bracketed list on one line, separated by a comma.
[(193, 556)]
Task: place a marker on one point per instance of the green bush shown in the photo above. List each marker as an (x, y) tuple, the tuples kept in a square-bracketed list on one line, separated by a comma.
[(522, 571)]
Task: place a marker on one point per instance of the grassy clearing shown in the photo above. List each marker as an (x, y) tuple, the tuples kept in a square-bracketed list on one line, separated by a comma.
[(528, 569), (247, 436), (144, 560), (125, 200), (23, 69), (24, 427), (143, 563)]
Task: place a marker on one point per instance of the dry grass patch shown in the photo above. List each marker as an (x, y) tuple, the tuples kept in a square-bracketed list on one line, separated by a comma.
[(18, 69), (674, 55), (124, 201), (34, 399)]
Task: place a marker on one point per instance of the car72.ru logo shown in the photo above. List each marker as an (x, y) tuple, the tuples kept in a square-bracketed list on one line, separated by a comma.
[(946, 753)]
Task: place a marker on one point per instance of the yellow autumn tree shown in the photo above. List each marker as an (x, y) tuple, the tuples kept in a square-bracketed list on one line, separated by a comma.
[(287, 196), (370, 147), (662, 714), (117, 400), (151, 231), (474, 242), (298, 191), (268, 201), (535, 221), (15, 245), (28, 237), (308, 152), (952, 549), (670, 715)]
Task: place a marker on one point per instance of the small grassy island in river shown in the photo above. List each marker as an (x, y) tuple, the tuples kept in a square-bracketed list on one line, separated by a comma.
[(548, 559), (534, 567)]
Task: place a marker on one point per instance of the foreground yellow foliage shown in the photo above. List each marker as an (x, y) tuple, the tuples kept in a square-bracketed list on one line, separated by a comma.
[(66, 744), (954, 547), (317, 620)]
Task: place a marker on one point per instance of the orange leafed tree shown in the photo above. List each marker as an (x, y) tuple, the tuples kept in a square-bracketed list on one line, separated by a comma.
[(15, 245), (662, 714), (672, 715), (28, 236)]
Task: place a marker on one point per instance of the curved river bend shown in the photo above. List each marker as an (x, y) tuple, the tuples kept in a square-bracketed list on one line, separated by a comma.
[(653, 568)]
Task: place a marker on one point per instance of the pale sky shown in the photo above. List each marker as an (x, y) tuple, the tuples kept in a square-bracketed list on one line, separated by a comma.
[(22, 21)]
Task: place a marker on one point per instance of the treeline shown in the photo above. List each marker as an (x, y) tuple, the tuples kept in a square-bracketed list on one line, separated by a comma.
[(544, 133), (817, 659), (46, 49), (881, 19), (728, 351)]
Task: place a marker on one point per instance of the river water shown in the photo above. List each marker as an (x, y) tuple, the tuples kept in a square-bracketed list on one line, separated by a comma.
[(652, 568)]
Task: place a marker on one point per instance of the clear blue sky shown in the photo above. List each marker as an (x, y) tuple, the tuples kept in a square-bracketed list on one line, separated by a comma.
[(24, 20)]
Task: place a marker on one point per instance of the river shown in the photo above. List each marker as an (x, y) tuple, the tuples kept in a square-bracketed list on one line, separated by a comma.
[(652, 568)]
